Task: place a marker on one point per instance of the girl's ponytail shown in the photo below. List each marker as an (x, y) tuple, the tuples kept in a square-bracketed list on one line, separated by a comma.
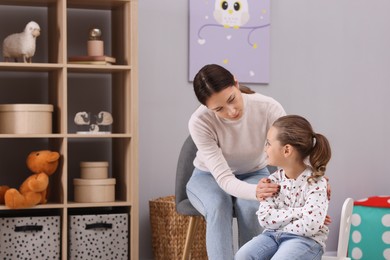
[(320, 155)]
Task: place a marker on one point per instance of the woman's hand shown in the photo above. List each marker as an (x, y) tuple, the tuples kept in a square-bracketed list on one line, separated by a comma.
[(328, 189), (266, 189), (328, 220)]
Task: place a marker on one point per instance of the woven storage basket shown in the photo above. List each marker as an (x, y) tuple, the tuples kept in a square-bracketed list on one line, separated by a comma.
[(169, 231)]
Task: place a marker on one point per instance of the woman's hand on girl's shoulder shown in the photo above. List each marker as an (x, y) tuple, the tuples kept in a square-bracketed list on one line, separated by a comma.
[(265, 189)]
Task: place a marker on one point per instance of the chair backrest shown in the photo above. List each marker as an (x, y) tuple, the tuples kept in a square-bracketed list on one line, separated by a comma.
[(184, 170), (345, 227)]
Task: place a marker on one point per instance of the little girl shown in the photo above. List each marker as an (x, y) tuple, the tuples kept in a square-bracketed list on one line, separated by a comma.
[(293, 219)]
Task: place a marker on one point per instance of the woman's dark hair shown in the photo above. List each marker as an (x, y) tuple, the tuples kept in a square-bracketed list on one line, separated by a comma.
[(297, 132), (214, 78)]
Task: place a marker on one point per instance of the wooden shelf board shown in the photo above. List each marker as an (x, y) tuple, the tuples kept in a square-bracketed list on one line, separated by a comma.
[(102, 4), (100, 204), (79, 136), (32, 135), (97, 68), (98, 136), (19, 66), (42, 206), (28, 2)]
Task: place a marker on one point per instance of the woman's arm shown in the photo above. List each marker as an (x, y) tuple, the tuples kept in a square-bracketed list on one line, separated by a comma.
[(210, 152)]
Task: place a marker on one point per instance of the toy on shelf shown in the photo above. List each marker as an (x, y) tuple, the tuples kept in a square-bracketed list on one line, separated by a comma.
[(21, 45), (93, 124), (33, 190), (95, 51)]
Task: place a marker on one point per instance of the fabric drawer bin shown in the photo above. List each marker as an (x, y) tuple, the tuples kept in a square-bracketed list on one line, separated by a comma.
[(102, 236), (30, 238)]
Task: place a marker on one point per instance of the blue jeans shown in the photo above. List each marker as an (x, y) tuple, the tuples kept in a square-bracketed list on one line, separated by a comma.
[(280, 246), (218, 208)]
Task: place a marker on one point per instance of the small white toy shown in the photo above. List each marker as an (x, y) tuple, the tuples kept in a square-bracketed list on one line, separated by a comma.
[(21, 45), (88, 123), (104, 118), (82, 118)]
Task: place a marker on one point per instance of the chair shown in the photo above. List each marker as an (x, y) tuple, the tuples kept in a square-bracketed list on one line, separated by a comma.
[(184, 171), (345, 227)]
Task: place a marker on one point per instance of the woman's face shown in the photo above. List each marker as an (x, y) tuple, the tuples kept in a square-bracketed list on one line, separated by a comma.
[(227, 103)]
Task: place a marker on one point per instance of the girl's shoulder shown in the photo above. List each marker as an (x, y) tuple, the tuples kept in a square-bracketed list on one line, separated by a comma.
[(277, 176)]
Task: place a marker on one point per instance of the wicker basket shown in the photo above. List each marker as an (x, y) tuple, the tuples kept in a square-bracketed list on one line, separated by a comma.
[(169, 231)]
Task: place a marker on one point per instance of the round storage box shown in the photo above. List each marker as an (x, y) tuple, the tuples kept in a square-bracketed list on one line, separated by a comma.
[(94, 190), (94, 170), (26, 119)]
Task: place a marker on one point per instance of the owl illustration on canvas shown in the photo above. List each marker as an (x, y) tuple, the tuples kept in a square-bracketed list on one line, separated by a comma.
[(231, 13)]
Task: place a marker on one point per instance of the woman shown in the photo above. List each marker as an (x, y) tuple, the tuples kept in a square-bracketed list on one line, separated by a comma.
[(229, 130)]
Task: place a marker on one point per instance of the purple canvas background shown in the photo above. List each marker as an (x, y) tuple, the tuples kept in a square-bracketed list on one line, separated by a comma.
[(228, 47)]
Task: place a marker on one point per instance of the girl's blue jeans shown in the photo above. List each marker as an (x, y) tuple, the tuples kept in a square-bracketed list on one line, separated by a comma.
[(218, 208), (280, 246)]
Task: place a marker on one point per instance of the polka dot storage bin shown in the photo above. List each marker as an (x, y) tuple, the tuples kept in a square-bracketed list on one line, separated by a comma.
[(30, 238), (370, 229), (102, 236)]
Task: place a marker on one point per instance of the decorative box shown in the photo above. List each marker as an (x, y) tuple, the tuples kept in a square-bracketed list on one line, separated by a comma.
[(94, 190), (104, 236), (30, 238), (26, 119), (94, 170)]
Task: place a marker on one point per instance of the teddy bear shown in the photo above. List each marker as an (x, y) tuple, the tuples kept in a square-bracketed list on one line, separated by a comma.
[(33, 190), (3, 189)]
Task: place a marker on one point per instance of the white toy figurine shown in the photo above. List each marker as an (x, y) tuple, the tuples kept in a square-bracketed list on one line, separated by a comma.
[(98, 124), (82, 118), (21, 45), (104, 118)]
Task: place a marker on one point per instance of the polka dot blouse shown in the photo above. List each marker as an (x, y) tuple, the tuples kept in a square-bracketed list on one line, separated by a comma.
[(300, 207)]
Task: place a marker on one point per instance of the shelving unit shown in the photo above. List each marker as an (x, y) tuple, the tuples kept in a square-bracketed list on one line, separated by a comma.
[(70, 88)]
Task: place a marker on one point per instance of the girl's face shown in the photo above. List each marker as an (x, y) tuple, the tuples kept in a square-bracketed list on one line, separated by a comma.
[(227, 103), (273, 148)]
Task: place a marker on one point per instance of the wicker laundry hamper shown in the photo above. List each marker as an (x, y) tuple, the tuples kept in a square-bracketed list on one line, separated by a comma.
[(169, 231)]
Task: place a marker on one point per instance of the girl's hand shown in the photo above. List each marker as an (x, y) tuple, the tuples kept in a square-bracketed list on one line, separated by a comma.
[(328, 220), (266, 189)]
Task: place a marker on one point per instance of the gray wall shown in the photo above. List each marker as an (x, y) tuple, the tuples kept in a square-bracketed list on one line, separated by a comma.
[(330, 62)]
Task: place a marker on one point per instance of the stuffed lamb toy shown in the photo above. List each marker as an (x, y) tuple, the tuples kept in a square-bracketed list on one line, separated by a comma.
[(21, 45)]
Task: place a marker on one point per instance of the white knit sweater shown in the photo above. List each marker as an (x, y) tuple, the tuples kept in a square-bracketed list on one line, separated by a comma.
[(228, 148)]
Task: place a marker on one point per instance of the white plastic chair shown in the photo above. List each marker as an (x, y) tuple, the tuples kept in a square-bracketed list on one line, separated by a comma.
[(345, 227)]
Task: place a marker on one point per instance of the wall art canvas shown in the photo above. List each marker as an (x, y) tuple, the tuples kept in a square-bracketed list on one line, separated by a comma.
[(232, 33)]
